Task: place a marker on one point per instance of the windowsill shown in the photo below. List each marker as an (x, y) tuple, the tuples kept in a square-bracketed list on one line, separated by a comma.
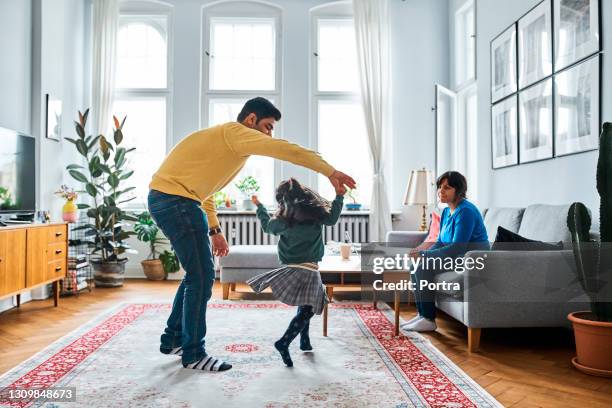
[(252, 212)]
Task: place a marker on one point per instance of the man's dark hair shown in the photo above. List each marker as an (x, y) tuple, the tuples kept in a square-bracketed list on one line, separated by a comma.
[(261, 107), (456, 180)]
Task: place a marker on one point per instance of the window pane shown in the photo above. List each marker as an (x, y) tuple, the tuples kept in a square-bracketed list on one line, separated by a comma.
[(243, 55), (337, 56), (145, 129), (343, 143), (142, 53), (260, 167)]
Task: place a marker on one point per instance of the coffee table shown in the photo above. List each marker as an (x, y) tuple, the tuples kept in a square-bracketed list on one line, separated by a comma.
[(333, 266)]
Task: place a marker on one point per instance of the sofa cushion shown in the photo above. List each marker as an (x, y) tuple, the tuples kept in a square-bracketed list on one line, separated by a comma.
[(434, 228), (251, 256), (510, 241), (509, 218), (544, 222)]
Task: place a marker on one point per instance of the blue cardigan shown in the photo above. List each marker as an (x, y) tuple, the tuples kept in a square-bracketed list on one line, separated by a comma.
[(461, 231)]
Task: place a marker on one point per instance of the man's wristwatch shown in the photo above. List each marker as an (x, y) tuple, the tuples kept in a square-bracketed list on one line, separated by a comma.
[(214, 231)]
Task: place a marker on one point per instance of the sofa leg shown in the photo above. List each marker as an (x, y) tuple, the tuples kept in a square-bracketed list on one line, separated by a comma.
[(473, 339), (226, 290), (232, 287)]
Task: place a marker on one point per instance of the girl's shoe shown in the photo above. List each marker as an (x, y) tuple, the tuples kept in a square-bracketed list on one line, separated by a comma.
[(414, 319), (421, 325), (305, 343)]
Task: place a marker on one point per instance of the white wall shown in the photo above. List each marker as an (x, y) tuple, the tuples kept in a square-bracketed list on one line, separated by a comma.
[(45, 42), (556, 181)]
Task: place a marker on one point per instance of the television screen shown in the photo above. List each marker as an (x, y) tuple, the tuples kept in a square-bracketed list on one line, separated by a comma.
[(17, 172)]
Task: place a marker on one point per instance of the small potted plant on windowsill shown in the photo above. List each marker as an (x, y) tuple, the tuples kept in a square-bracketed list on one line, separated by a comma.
[(158, 265), (223, 201), (354, 206), (247, 186)]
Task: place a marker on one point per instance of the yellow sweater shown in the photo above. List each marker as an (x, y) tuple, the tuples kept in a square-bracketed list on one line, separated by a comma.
[(207, 160)]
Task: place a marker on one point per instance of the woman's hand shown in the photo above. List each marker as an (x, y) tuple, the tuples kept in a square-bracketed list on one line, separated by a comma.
[(255, 200), (219, 245), (415, 253)]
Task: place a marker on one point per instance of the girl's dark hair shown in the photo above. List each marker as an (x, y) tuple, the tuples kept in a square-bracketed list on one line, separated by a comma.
[(298, 204), (456, 180)]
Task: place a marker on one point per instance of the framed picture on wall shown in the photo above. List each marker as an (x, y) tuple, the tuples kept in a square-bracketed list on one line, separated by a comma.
[(536, 122), (535, 45), (577, 113), (503, 64), (576, 25), (53, 118), (504, 133)]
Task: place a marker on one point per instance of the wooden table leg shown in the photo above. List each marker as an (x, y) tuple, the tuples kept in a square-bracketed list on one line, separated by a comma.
[(330, 294), (18, 299), (56, 293), (396, 308), (374, 298)]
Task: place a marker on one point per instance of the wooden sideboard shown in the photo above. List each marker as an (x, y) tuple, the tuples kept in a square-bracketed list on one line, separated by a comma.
[(32, 255)]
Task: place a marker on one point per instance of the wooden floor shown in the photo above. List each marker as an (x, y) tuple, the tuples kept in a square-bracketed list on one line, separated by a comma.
[(520, 367)]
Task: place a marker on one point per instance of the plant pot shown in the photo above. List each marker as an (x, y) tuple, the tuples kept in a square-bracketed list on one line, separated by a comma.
[(70, 212), (593, 340), (248, 205), (353, 206), (109, 274), (153, 269)]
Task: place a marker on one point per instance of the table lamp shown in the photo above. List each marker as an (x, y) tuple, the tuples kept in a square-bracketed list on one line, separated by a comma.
[(420, 192)]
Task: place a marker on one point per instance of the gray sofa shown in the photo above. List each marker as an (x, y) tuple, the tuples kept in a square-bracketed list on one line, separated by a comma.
[(244, 262), (516, 288)]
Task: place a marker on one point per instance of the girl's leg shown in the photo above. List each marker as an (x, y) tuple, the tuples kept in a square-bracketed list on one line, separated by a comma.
[(304, 313), (305, 337)]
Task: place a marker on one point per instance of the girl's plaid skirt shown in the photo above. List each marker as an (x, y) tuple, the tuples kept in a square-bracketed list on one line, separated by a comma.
[(295, 285)]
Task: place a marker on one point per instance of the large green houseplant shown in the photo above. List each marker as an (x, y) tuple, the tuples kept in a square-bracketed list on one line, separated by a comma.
[(158, 264), (104, 174), (593, 329)]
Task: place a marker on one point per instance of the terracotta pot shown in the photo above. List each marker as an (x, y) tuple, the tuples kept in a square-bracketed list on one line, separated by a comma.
[(109, 274), (153, 269), (593, 343)]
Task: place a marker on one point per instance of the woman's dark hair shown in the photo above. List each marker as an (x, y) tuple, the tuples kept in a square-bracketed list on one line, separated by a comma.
[(261, 107), (456, 180), (298, 204)]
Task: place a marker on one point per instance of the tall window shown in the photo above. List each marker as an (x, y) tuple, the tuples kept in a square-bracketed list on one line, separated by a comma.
[(142, 93), (242, 64), (339, 122), (465, 44)]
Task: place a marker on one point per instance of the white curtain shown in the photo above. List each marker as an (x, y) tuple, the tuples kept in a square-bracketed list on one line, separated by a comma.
[(371, 28), (105, 25)]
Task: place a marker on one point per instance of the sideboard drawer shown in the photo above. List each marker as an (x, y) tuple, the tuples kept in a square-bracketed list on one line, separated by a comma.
[(57, 251), (56, 269), (57, 233)]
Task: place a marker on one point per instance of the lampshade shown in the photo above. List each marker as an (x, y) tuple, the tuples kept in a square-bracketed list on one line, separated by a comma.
[(420, 190)]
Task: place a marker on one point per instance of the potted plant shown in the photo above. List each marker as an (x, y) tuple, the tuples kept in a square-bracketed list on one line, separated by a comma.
[(354, 206), (247, 186), (158, 265), (593, 329), (70, 212), (6, 200), (104, 175)]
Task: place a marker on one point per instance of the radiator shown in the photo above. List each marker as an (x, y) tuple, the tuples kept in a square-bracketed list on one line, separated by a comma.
[(245, 229)]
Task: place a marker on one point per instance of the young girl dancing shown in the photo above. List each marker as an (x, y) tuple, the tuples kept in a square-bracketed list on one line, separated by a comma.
[(299, 220)]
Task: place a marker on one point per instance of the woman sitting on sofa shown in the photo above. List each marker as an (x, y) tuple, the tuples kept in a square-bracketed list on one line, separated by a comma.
[(461, 229)]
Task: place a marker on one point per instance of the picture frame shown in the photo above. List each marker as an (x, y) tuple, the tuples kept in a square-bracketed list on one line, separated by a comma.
[(503, 64), (577, 30), (53, 118), (534, 35), (504, 133), (536, 122), (577, 107)]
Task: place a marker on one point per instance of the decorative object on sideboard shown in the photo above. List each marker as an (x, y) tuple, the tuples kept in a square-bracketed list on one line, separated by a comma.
[(70, 211), (158, 265), (536, 122), (420, 192), (577, 112), (354, 206), (593, 329), (534, 35), (503, 64), (247, 186), (103, 177), (53, 118), (576, 25)]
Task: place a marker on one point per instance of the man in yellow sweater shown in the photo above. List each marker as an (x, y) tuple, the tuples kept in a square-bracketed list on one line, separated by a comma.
[(199, 166)]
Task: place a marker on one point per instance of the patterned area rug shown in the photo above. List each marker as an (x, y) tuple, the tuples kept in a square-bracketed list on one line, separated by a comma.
[(114, 361)]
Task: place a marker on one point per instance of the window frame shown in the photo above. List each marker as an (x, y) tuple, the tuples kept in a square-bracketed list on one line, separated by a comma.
[(140, 14), (459, 48)]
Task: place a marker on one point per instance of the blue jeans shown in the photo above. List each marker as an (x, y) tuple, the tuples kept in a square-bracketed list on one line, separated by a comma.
[(186, 226)]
